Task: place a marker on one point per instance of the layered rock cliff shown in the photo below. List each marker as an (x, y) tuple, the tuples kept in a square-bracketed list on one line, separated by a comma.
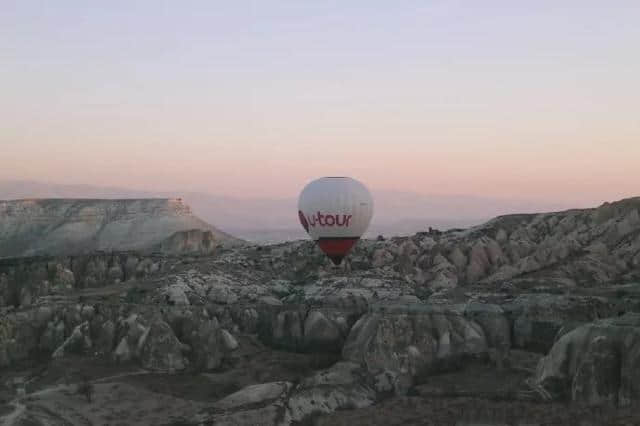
[(74, 226)]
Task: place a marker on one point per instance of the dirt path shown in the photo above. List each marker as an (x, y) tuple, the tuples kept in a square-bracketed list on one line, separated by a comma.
[(11, 418), (20, 408)]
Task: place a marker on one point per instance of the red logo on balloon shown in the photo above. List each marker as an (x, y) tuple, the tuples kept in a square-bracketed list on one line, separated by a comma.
[(324, 220), (303, 221)]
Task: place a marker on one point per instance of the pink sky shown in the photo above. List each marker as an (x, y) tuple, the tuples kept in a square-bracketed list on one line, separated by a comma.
[(256, 101)]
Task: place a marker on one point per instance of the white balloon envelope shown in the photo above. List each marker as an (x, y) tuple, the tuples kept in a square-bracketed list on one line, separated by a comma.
[(335, 212)]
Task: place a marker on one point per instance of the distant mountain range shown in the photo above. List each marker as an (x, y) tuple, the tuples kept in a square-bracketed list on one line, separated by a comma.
[(275, 220)]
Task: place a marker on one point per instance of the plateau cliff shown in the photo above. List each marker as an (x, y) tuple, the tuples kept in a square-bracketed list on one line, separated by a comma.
[(72, 226)]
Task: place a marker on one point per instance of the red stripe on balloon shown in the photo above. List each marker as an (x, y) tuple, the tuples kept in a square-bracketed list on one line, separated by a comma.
[(337, 248)]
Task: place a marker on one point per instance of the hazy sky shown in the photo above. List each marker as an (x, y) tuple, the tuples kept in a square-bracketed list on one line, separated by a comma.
[(497, 98)]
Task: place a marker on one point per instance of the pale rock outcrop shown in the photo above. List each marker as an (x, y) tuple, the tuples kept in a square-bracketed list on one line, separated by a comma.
[(123, 352), (160, 350), (192, 241), (381, 257), (443, 273), (253, 405), (501, 236), (479, 262), (280, 287), (247, 318), (228, 341), (493, 321), (53, 336), (339, 387), (322, 325), (458, 258), (596, 364), (286, 329), (78, 342), (222, 293), (131, 332), (407, 255), (204, 337), (254, 394), (537, 318), (20, 334), (63, 278), (270, 301), (176, 295), (413, 341), (321, 333), (104, 334)]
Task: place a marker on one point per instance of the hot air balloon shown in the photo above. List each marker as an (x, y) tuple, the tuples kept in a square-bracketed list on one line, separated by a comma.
[(335, 212)]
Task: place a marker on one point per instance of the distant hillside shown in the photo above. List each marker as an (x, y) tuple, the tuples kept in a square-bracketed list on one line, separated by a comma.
[(275, 220), (70, 226), (559, 250)]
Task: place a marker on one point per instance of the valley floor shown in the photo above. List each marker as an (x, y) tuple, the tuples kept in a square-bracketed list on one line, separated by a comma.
[(479, 394)]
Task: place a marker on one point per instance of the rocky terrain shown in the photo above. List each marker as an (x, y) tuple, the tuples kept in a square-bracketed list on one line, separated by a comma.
[(74, 226), (527, 319)]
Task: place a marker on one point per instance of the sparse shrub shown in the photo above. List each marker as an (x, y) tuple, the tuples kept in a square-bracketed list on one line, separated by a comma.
[(85, 388), (621, 293), (423, 292), (312, 418), (134, 295)]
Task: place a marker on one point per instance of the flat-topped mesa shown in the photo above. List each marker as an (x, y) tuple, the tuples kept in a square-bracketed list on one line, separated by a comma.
[(73, 226), (179, 206), (42, 209)]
